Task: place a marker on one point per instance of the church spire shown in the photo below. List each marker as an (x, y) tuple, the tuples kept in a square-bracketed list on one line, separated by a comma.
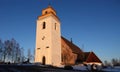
[(49, 4)]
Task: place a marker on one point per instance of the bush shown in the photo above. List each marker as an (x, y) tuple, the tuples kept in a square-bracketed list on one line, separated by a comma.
[(68, 67)]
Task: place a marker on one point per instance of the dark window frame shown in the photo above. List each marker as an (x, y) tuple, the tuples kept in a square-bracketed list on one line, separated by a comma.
[(44, 25), (46, 12)]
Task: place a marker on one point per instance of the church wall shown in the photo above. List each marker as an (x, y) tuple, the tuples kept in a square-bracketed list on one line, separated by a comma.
[(56, 42), (68, 57)]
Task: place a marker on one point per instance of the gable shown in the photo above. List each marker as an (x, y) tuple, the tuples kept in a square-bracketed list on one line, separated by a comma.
[(91, 57)]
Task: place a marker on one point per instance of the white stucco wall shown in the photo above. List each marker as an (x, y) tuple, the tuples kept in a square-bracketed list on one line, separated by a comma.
[(52, 39)]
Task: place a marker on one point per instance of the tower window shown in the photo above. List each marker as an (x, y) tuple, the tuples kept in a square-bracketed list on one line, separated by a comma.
[(47, 46), (44, 25), (46, 12), (43, 37), (55, 26), (38, 48)]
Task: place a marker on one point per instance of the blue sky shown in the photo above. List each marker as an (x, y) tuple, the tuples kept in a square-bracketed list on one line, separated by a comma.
[(94, 25)]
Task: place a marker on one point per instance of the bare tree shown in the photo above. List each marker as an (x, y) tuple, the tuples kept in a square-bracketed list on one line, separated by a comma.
[(13, 46), (106, 63), (22, 55), (115, 62), (10, 51), (1, 49), (5, 50), (29, 55)]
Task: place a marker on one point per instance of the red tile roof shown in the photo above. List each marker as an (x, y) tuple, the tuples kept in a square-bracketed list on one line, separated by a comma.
[(74, 48), (91, 57)]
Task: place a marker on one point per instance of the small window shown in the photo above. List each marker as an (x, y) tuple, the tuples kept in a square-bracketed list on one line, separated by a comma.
[(55, 26), (44, 25), (43, 37), (62, 58), (47, 46), (38, 48), (46, 12)]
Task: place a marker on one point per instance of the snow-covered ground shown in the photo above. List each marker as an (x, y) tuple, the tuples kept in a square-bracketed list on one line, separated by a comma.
[(112, 69), (79, 67), (108, 69), (83, 67)]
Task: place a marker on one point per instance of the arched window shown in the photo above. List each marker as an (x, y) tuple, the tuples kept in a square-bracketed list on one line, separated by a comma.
[(44, 25)]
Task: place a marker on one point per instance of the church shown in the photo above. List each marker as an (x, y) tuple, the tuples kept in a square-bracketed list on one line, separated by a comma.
[(52, 48)]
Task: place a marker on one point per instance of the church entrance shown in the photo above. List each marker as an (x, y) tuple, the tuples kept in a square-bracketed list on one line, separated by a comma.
[(43, 60)]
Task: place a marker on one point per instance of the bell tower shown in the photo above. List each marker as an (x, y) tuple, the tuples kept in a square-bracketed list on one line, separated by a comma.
[(48, 38)]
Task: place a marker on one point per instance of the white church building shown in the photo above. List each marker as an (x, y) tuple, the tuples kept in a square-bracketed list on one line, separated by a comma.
[(53, 49)]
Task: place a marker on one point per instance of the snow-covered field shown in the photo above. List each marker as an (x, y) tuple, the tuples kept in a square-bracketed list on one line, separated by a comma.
[(45, 68), (81, 67), (108, 69), (114, 69)]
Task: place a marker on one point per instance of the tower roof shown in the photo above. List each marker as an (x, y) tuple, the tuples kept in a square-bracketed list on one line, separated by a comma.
[(49, 9)]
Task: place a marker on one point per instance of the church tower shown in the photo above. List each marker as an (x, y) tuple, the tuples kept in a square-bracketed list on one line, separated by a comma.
[(48, 38)]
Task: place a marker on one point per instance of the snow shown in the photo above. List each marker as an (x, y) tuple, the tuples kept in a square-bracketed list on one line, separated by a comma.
[(82, 67), (114, 69), (79, 68), (108, 69)]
